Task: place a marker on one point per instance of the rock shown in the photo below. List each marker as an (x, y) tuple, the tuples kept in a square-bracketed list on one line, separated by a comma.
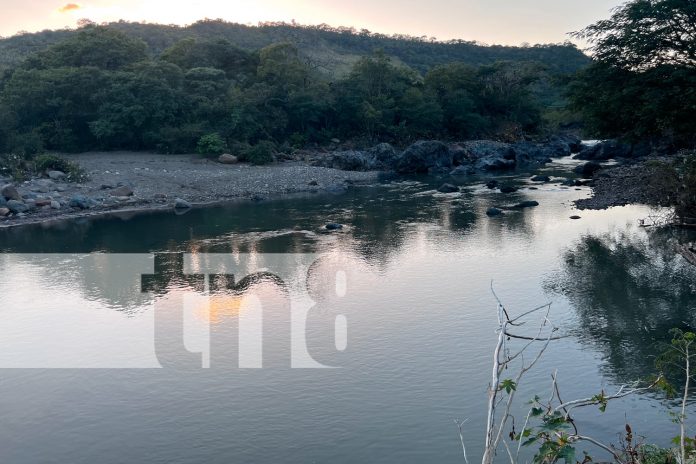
[(541, 179), (462, 170), (181, 204), (43, 202), (107, 186), (508, 189), (492, 184), (55, 204), (487, 155), (424, 156), (4, 212), (448, 188), (17, 206), (313, 183), (56, 175), (353, 160), (609, 149), (81, 202), (30, 203), (526, 204), (334, 140), (3, 202), (385, 154), (588, 169), (227, 158), (575, 217), (9, 192), (333, 226), (122, 191), (494, 212)]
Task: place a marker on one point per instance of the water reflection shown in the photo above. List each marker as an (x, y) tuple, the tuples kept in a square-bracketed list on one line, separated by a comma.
[(628, 288)]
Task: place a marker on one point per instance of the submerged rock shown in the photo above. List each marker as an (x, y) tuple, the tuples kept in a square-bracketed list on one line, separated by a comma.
[(448, 188), (333, 226), (508, 188), (492, 184), (541, 179), (526, 204), (494, 212)]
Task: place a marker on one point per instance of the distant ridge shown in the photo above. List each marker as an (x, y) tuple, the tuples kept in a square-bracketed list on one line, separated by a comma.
[(334, 49)]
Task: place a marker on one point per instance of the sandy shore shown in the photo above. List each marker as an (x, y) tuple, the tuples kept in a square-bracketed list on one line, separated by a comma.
[(157, 181)]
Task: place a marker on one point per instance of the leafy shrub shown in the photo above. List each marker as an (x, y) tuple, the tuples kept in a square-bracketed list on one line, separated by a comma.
[(14, 165), (47, 162), (211, 145), (261, 153)]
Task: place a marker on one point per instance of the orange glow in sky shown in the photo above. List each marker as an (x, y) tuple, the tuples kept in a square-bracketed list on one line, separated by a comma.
[(489, 21)]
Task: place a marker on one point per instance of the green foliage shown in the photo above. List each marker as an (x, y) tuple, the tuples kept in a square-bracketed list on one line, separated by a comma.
[(46, 162), (211, 145), (642, 83), (261, 153), (102, 89)]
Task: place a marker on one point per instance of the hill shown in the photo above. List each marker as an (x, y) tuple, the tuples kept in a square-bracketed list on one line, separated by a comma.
[(333, 49)]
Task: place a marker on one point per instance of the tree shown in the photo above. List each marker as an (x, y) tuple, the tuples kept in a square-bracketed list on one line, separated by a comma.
[(643, 34)]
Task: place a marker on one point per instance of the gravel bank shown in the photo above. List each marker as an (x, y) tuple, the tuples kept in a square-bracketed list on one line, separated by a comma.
[(622, 185), (157, 181)]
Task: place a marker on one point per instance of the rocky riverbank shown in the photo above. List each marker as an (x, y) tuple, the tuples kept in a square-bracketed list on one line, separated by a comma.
[(141, 181)]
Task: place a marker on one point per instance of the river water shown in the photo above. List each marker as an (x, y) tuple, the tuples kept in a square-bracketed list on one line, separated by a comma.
[(103, 365)]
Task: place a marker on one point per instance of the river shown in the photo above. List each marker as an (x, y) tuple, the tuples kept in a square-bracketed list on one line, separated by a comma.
[(97, 370)]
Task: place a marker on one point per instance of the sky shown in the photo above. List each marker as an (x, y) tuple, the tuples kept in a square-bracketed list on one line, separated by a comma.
[(509, 22)]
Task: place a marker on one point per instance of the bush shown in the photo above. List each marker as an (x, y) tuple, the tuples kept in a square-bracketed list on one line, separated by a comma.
[(211, 145), (47, 162), (261, 153)]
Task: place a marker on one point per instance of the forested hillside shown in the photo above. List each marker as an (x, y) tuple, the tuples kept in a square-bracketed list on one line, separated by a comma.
[(334, 49), (214, 85)]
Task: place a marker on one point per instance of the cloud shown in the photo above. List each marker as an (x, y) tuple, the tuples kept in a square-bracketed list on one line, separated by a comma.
[(69, 7)]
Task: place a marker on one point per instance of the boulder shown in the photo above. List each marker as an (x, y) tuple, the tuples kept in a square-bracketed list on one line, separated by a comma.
[(81, 202), (487, 155), (448, 188), (588, 169), (55, 204), (122, 191), (333, 226), (463, 170), (508, 188), (541, 179), (227, 158), (353, 160), (607, 149), (17, 206), (492, 184), (56, 175), (42, 202), (385, 154), (4, 212), (526, 204), (3, 202), (181, 204), (9, 192), (424, 156), (494, 212)]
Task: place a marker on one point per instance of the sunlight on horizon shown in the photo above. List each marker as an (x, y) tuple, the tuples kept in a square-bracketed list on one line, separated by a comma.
[(487, 21)]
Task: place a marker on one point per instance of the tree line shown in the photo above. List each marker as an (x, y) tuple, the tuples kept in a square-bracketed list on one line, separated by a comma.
[(103, 89)]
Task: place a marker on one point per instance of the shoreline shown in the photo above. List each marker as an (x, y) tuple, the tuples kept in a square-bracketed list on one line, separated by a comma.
[(156, 182)]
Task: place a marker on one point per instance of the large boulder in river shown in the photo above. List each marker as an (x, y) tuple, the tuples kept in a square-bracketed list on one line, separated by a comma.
[(608, 149), (487, 155), (588, 169), (354, 160), (424, 156), (9, 192)]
